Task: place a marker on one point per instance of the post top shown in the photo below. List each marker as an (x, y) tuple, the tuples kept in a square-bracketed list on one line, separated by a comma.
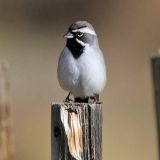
[(72, 103)]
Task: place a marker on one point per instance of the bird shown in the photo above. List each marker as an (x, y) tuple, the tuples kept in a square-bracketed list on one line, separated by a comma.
[(81, 67)]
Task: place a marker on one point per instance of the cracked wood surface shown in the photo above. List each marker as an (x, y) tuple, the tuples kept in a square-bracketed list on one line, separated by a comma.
[(76, 131)]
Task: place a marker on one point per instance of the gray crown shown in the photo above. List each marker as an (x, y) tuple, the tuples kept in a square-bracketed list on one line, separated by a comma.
[(80, 24)]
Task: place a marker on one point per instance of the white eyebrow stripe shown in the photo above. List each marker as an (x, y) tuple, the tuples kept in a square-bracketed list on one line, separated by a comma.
[(85, 30)]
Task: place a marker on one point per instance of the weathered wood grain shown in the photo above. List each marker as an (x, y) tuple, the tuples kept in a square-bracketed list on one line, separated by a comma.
[(76, 131)]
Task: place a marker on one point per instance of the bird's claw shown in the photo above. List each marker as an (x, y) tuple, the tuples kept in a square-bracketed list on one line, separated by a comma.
[(68, 99), (93, 99)]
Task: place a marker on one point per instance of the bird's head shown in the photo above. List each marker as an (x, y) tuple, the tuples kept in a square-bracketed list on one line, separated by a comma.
[(81, 32)]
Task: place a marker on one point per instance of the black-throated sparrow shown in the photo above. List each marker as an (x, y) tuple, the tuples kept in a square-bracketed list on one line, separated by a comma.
[(81, 68)]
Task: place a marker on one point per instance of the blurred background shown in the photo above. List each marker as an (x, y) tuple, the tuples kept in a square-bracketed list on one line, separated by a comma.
[(31, 41)]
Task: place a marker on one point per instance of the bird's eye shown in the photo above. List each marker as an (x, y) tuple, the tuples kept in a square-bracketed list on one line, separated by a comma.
[(80, 34)]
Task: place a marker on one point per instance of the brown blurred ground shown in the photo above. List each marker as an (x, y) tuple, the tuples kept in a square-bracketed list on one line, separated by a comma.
[(31, 40)]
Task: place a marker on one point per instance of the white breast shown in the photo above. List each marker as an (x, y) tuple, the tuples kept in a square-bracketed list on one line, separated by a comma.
[(68, 72), (84, 76)]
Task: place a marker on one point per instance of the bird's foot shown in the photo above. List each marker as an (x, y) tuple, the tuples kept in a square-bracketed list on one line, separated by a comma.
[(94, 99), (68, 99)]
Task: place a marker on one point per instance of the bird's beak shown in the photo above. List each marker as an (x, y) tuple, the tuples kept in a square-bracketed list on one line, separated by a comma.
[(68, 35)]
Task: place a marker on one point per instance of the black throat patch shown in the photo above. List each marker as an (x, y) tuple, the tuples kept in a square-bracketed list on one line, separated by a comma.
[(75, 48)]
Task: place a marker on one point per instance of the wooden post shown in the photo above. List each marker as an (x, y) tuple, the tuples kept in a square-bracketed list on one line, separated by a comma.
[(6, 137), (156, 80), (76, 131)]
